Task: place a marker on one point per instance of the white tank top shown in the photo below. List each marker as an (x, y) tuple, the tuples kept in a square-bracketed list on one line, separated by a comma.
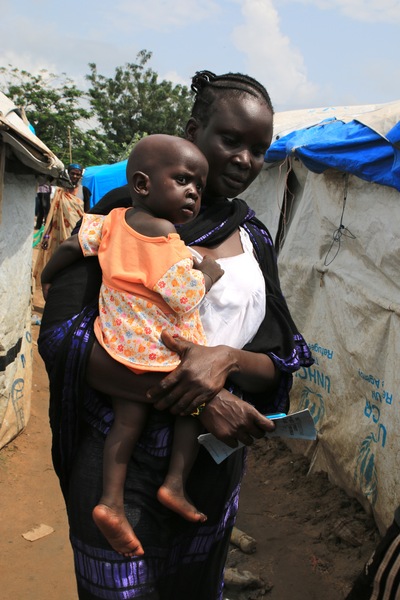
[(234, 308)]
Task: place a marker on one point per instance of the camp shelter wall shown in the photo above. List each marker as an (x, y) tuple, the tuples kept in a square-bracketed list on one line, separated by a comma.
[(23, 157), (342, 285), (15, 301)]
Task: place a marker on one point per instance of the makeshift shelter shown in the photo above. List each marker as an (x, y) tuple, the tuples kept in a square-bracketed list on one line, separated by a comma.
[(330, 194), (23, 158)]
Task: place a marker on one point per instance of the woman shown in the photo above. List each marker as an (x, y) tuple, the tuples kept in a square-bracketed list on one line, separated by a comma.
[(66, 209), (231, 123)]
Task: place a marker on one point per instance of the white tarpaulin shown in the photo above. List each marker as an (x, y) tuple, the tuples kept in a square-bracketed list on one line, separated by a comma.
[(339, 265), (22, 157)]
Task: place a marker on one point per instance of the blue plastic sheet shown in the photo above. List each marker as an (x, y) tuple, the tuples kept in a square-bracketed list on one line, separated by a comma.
[(349, 147), (103, 178)]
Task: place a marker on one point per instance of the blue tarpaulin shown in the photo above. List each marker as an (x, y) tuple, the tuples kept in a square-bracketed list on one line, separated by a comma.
[(103, 178), (349, 147)]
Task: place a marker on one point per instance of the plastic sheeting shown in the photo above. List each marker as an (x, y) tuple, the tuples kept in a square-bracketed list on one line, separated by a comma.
[(17, 201), (103, 178), (339, 264), (351, 147), (29, 149), (16, 229), (344, 294)]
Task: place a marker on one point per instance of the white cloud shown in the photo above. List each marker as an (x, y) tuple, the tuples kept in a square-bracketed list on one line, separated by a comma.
[(175, 78), (162, 15), (370, 11), (59, 51), (25, 61), (271, 58)]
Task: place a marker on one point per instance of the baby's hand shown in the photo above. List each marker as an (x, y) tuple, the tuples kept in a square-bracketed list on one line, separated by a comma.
[(211, 269)]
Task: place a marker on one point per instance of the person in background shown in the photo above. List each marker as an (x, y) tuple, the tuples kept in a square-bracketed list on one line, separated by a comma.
[(67, 207), (232, 124), (42, 204), (75, 172)]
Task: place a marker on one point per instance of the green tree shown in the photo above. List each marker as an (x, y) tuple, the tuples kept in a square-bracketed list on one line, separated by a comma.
[(55, 108), (134, 103), (124, 108)]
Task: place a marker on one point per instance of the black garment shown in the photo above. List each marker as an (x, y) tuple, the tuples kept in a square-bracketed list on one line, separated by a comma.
[(380, 578), (117, 198), (87, 194), (42, 208)]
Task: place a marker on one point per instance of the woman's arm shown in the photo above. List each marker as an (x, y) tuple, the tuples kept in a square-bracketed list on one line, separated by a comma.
[(66, 254), (203, 372), (231, 420), (226, 416)]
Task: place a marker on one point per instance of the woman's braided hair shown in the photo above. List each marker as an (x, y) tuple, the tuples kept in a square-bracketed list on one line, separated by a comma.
[(209, 87)]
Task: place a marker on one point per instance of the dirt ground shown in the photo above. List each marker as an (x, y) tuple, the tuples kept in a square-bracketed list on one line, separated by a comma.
[(311, 539)]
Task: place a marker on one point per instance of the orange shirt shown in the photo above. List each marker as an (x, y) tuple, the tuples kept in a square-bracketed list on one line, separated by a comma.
[(149, 284)]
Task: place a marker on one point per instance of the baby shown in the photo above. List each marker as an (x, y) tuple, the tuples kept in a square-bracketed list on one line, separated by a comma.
[(150, 282)]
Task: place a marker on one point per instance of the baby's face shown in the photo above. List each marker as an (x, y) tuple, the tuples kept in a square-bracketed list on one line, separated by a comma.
[(176, 189)]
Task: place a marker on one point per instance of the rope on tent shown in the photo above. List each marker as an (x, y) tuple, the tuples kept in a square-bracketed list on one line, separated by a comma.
[(340, 231)]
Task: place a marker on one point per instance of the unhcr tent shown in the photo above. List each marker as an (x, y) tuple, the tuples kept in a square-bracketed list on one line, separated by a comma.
[(330, 194), (24, 161)]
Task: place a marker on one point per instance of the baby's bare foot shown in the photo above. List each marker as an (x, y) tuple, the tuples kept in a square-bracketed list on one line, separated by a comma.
[(180, 504), (115, 527)]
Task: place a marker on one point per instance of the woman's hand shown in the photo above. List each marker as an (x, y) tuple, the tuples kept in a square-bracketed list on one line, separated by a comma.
[(231, 420), (200, 376)]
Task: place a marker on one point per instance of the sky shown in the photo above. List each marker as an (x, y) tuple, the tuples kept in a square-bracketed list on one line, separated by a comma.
[(307, 53)]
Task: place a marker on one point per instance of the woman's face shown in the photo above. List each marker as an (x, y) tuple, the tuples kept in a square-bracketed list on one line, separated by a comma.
[(75, 175), (234, 141)]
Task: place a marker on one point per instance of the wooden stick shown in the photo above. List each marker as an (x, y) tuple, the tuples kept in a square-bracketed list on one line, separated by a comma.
[(247, 544)]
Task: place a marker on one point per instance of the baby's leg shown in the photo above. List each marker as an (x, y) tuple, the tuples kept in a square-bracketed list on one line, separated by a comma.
[(107, 375), (184, 451), (109, 514)]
